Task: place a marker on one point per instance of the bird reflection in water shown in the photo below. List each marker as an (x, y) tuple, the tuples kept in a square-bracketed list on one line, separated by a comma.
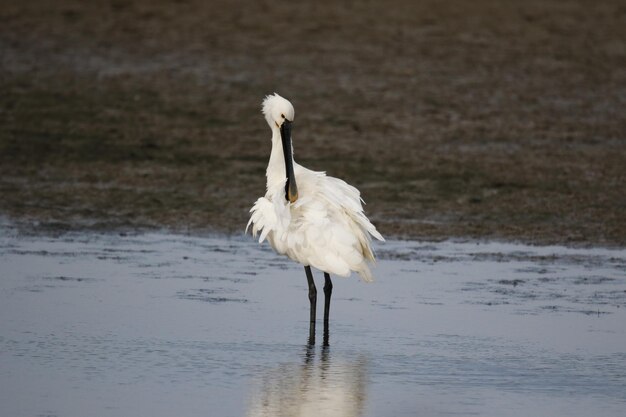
[(318, 386)]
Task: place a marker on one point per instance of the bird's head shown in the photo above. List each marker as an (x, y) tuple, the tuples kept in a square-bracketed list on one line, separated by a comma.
[(277, 110)]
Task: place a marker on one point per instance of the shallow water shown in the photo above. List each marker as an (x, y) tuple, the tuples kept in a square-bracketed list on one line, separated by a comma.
[(162, 325)]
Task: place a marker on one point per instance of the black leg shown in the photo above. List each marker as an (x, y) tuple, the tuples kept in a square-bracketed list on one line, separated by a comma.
[(313, 300), (328, 291)]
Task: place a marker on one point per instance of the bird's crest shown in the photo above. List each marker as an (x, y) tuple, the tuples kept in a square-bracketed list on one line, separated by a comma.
[(274, 107)]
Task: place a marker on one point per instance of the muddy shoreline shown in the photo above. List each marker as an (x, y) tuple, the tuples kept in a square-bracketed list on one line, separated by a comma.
[(486, 121)]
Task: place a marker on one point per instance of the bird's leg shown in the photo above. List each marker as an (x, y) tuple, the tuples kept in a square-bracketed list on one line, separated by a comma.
[(326, 340), (313, 300), (328, 290)]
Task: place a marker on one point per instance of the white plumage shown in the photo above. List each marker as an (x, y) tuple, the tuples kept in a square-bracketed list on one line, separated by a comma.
[(325, 226)]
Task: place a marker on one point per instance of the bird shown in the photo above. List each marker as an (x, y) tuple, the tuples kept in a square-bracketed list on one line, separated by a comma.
[(312, 218)]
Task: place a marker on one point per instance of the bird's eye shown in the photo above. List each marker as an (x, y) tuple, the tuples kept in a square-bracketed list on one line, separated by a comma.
[(282, 115)]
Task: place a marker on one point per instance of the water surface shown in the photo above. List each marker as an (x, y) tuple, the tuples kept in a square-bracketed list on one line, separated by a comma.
[(162, 325)]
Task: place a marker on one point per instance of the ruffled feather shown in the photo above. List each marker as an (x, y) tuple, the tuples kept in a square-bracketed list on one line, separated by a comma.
[(325, 228)]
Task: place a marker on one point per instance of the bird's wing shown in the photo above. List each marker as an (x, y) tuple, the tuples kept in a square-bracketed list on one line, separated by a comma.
[(329, 214), (349, 198), (341, 195), (338, 193)]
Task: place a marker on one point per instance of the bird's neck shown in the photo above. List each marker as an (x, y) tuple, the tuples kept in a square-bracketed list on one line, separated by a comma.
[(276, 172)]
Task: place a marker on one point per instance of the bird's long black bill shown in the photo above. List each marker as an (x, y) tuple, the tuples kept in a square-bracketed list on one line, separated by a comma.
[(291, 189)]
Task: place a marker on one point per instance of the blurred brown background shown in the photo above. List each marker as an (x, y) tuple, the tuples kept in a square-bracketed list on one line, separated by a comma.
[(501, 119)]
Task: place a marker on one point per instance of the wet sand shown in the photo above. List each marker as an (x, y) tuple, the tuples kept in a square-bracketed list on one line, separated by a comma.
[(165, 324), (483, 119)]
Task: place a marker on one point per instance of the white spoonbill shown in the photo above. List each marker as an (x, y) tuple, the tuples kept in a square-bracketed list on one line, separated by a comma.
[(312, 218)]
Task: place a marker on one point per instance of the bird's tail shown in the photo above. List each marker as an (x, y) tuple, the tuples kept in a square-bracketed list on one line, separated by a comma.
[(365, 273)]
